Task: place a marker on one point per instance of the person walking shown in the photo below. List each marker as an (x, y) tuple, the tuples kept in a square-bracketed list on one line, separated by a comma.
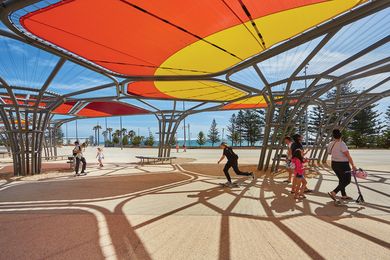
[(78, 155), (341, 162), (100, 156), (232, 161), (299, 184), (297, 145)]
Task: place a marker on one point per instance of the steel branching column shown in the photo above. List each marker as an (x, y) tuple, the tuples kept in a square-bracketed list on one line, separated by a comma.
[(168, 122)]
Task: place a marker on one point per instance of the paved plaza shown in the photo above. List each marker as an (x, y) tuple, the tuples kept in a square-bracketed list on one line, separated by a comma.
[(128, 211)]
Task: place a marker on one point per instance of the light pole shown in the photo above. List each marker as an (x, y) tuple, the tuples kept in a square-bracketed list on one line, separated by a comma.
[(77, 134), (184, 128), (66, 133), (189, 136), (306, 113), (120, 121)]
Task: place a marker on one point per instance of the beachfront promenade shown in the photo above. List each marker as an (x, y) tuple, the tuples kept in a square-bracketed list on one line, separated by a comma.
[(127, 211)]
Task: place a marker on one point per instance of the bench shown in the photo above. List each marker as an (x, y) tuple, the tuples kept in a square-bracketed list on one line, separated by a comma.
[(4, 154), (154, 159), (55, 158), (70, 161)]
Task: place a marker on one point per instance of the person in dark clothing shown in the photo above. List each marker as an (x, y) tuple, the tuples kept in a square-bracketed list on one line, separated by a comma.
[(77, 153), (297, 145), (232, 161)]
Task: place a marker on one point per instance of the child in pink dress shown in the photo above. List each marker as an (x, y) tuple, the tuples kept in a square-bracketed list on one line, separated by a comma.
[(299, 174)]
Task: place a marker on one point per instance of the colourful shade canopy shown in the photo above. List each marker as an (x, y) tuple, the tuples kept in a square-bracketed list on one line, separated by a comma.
[(175, 37), (101, 109), (204, 90)]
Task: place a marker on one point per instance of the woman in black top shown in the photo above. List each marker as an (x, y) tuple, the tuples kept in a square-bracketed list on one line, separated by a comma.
[(297, 145), (232, 161)]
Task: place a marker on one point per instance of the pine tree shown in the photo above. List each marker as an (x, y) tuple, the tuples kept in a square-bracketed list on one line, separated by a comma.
[(59, 136), (240, 119), (384, 139), (232, 129), (365, 126), (149, 141), (201, 138), (213, 135), (316, 115), (251, 127)]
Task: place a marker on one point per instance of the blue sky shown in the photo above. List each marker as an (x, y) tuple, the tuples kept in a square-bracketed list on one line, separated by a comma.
[(24, 65)]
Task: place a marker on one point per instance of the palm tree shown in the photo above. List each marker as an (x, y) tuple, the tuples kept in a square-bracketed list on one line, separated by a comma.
[(131, 135), (98, 127), (105, 134), (116, 135), (109, 132), (95, 130)]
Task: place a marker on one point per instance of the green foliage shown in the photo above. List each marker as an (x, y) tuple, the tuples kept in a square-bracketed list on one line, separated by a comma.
[(364, 127), (115, 139), (137, 140), (201, 140), (125, 140), (213, 134), (232, 131), (149, 141), (316, 119), (59, 136), (252, 126)]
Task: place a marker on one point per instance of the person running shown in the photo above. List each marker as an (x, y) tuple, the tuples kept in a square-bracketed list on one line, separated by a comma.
[(289, 142), (297, 145), (100, 156), (299, 185), (232, 161), (78, 155), (341, 162)]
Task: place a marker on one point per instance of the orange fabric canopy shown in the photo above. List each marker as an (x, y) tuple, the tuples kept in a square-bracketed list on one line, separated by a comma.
[(175, 37)]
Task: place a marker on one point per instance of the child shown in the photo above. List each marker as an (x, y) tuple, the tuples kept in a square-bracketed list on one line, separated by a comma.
[(299, 184), (100, 156)]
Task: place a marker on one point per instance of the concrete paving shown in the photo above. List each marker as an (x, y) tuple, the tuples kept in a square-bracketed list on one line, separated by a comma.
[(127, 211)]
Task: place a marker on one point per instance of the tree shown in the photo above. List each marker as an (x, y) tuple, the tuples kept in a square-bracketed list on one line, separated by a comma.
[(98, 127), (131, 135), (115, 139), (240, 130), (201, 140), (95, 132), (109, 132), (59, 136), (137, 140), (364, 127), (149, 141), (115, 136), (232, 133), (125, 140), (384, 138), (213, 133), (105, 135), (251, 127), (316, 116)]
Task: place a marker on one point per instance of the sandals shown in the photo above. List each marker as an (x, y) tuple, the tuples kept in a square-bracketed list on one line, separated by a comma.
[(333, 197), (346, 198)]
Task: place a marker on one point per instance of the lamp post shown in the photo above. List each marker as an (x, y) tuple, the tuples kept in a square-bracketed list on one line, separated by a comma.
[(184, 128), (306, 113), (77, 134)]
